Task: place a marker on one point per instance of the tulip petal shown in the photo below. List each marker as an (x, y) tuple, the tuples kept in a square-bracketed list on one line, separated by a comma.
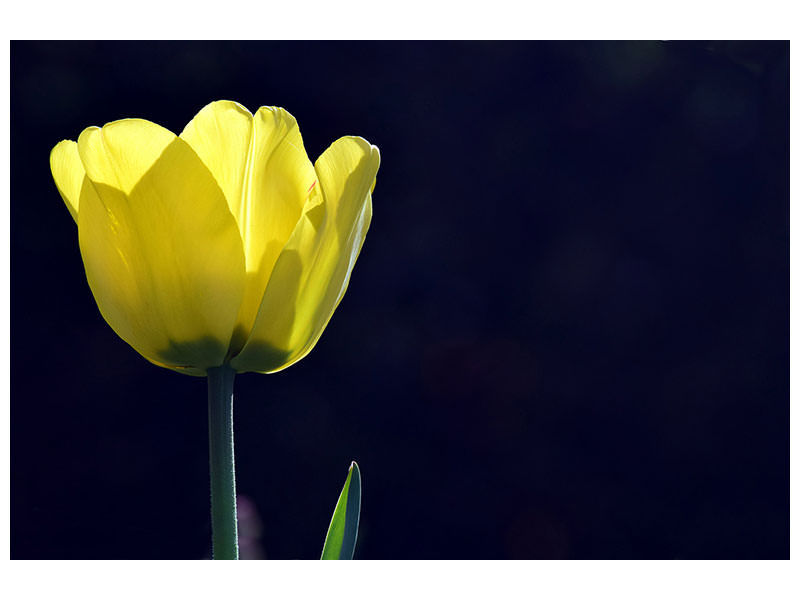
[(120, 153), (261, 165), (282, 179), (68, 173), (162, 252), (193, 371), (313, 269), (220, 134)]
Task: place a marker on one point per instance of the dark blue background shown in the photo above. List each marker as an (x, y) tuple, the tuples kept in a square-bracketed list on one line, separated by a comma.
[(566, 336)]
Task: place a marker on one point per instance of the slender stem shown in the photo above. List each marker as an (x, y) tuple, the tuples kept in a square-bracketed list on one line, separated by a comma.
[(223, 478)]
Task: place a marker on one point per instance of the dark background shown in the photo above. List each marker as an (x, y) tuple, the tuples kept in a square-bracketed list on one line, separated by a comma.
[(566, 336)]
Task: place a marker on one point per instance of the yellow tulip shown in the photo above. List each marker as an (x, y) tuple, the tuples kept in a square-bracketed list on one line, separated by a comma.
[(221, 246)]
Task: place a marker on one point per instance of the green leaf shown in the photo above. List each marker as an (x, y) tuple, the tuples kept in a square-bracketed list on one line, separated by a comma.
[(340, 543)]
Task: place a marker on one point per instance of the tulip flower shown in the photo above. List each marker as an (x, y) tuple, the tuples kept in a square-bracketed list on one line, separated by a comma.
[(221, 245), (220, 250)]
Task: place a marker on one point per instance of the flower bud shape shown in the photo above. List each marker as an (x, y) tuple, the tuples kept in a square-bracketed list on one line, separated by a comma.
[(223, 244)]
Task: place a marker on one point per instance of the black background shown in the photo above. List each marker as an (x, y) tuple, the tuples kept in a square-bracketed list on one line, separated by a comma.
[(566, 336)]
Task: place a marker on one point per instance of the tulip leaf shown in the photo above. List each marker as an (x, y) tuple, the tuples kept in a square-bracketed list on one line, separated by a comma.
[(340, 543)]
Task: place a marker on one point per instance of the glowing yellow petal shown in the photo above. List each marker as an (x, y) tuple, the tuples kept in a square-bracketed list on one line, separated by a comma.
[(120, 153), (163, 256), (281, 180), (261, 165), (220, 134), (68, 173), (312, 272)]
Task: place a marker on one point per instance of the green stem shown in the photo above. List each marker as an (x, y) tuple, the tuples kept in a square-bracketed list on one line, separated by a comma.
[(225, 541)]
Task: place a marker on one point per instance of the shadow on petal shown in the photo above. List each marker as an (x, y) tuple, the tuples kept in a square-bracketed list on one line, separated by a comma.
[(181, 355), (276, 319)]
